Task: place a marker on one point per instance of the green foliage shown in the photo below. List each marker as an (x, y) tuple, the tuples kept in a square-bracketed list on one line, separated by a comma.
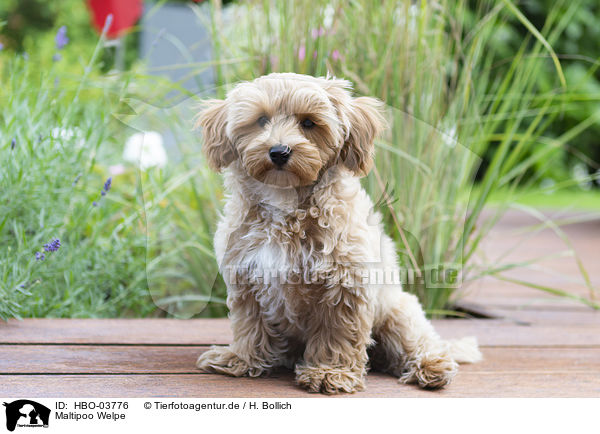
[(50, 179), (181, 202), (145, 243), (31, 25), (578, 47), (24, 18), (464, 83)]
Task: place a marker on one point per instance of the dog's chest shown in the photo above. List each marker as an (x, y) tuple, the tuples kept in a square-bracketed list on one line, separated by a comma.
[(279, 261), (288, 243)]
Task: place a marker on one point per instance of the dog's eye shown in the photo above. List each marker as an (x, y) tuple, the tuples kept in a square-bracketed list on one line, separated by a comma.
[(307, 123), (262, 121)]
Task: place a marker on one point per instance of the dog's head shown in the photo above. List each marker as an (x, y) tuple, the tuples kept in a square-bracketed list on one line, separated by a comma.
[(287, 129)]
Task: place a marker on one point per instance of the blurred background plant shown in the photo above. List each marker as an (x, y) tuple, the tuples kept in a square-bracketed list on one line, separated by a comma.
[(490, 103), (51, 186), (578, 49)]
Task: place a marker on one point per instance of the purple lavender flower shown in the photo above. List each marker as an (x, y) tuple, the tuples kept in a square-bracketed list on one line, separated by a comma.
[(1, 46), (335, 55), (61, 38), (56, 57), (52, 246), (39, 256), (13, 143), (76, 180), (106, 187), (105, 190)]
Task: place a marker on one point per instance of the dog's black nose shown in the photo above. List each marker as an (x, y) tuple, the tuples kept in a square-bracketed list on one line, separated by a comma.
[(280, 154)]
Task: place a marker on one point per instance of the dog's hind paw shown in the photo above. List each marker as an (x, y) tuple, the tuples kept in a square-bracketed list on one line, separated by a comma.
[(329, 380), (222, 360), (431, 371)]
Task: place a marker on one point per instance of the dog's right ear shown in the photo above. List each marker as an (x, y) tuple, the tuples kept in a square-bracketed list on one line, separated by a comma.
[(217, 147)]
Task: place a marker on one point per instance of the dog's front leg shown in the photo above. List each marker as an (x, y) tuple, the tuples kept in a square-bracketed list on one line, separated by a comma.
[(338, 334), (256, 348)]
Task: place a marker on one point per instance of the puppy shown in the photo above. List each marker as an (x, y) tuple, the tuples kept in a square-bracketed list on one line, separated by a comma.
[(299, 238)]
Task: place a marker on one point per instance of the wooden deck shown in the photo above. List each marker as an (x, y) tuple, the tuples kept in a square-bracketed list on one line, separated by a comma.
[(541, 346)]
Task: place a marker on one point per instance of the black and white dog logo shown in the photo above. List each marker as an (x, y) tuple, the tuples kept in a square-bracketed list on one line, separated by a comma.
[(26, 413)]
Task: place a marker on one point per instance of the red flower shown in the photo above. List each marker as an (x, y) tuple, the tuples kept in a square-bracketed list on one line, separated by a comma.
[(125, 14)]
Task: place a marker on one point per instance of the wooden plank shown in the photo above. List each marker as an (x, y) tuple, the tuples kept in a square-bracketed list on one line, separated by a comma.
[(116, 331), (493, 293), (509, 236), (466, 384), (64, 359), (531, 299), (537, 332), (566, 318), (507, 333), (34, 359)]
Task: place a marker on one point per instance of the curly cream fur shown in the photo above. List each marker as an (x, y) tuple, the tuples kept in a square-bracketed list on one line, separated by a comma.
[(294, 245)]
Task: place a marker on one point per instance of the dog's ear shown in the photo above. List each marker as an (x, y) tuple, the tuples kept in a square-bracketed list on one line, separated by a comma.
[(217, 147), (366, 123), (361, 120)]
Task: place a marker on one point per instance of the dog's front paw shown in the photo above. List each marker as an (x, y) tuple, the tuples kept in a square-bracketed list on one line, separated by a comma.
[(431, 371), (222, 360), (329, 380)]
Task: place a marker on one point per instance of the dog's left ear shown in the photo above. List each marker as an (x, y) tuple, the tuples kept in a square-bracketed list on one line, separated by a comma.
[(362, 121), (366, 123)]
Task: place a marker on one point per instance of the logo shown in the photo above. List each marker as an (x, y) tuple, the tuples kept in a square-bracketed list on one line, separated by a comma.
[(26, 413)]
